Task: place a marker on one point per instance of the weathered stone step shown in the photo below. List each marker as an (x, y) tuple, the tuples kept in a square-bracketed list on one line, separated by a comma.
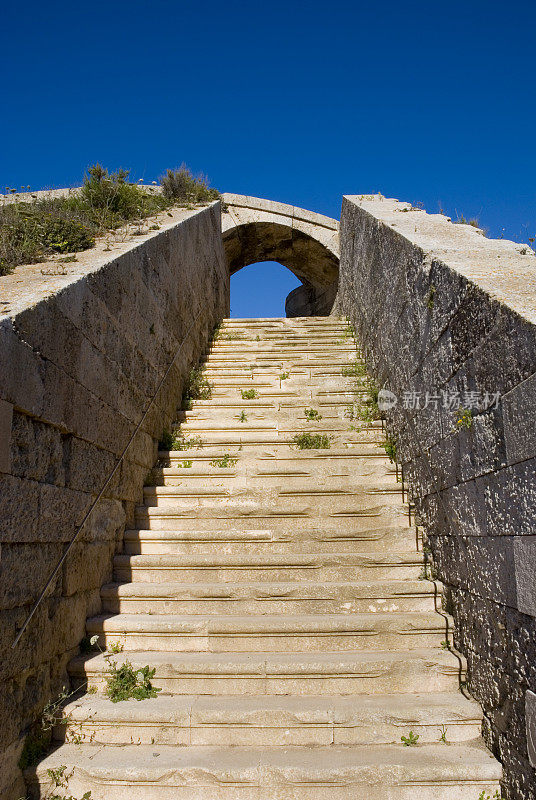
[(253, 442), (270, 633), (258, 516), (275, 598), (374, 471), (379, 772), (267, 457), (285, 428), (244, 568), (201, 720), (325, 673), (300, 498), (344, 538), (309, 511), (233, 405)]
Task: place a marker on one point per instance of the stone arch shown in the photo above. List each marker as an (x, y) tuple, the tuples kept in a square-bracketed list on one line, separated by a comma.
[(305, 242)]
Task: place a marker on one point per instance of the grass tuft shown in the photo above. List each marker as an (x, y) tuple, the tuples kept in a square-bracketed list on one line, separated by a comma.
[(311, 441)]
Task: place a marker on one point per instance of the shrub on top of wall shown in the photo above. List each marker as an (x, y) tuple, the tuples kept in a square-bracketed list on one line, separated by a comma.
[(32, 230)]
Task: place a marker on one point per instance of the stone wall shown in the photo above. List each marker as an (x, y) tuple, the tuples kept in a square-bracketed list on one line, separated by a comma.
[(440, 308), (83, 347)]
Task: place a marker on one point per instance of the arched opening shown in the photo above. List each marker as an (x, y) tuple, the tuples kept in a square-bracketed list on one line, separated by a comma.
[(256, 231), (261, 289)]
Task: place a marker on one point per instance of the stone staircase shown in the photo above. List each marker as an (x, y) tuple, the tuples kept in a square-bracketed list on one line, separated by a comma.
[(280, 601)]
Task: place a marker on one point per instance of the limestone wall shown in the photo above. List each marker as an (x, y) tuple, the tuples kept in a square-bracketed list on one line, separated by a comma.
[(441, 308), (83, 347)]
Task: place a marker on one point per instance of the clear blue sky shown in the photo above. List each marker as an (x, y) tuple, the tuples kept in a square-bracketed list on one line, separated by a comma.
[(296, 101)]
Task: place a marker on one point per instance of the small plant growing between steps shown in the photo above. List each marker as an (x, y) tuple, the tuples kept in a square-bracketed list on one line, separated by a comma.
[(311, 441), (354, 369), (242, 417), (181, 442), (115, 647), (224, 461), (443, 735), (60, 781), (312, 415), (185, 464), (390, 449), (496, 795), (410, 740), (123, 682), (249, 394), (198, 388), (283, 376)]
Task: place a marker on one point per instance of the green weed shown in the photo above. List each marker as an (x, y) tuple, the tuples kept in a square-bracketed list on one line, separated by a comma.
[(123, 682), (410, 740), (312, 415), (390, 448), (181, 442), (197, 388), (224, 461), (249, 394), (242, 417), (464, 418), (354, 369), (311, 441), (60, 781)]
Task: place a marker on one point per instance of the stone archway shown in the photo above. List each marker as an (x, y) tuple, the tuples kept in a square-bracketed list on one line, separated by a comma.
[(306, 243)]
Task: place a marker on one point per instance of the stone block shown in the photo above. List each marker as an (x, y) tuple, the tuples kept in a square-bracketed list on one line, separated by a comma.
[(19, 509), (6, 418), (525, 574), (38, 450), (530, 716), (519, 415)]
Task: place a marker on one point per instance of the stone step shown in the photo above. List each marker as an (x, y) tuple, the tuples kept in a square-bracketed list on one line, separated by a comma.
[(326, 673), (275, 458), (270, 633), (273, 598), (379, 510), (377, 515), (258, 541), (299, 500), (336, 772), (272, 721), (235, 478), (244, 568), (367, 470), (221, 405), (279, 436)]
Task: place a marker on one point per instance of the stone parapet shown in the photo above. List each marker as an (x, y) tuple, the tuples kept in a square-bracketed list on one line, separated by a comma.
[(84, 346), (447, 320)]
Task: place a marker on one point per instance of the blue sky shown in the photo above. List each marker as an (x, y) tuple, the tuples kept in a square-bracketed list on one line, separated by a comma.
[(295, 101)]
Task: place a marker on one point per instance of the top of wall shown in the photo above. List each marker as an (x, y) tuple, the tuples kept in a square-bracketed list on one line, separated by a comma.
[(28, 284), (505, 270)]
